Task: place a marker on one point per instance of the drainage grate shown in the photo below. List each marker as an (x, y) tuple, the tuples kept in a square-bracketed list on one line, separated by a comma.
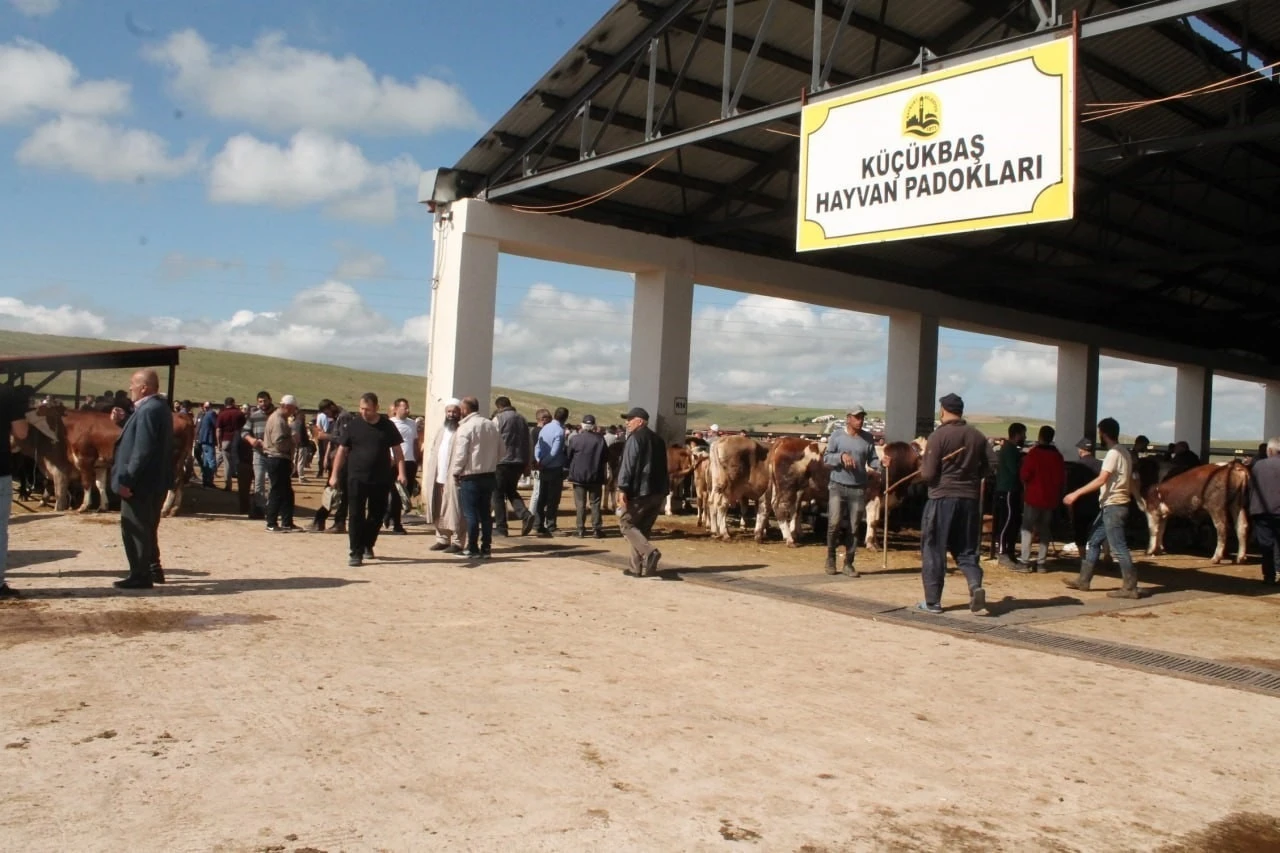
[(1148, 660)]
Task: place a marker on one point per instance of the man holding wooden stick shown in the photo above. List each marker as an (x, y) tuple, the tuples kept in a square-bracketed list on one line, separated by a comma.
[(953, 466)]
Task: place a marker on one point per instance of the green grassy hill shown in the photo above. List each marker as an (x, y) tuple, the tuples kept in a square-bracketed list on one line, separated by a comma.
[(206, 374)]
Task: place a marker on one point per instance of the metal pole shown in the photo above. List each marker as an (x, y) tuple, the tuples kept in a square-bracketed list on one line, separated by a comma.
[(78, 373), (815, 77), (728, 59), (171, 380)]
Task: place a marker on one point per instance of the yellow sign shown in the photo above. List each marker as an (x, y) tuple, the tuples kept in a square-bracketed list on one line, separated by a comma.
[(987, 144)]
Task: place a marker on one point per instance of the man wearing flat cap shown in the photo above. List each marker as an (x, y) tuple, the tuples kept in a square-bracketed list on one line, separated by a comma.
[(642, 490), (849, 454), (954, 463)]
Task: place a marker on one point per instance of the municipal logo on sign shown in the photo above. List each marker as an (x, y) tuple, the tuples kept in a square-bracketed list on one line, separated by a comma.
[(988, 144)]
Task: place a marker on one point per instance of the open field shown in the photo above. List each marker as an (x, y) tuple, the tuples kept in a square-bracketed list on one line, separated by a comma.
[(268, 698)]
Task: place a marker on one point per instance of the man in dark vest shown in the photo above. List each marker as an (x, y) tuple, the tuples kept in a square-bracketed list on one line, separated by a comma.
[(643, 484)]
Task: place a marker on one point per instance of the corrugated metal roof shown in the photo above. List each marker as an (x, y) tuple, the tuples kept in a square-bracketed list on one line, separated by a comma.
[(1216, 202)]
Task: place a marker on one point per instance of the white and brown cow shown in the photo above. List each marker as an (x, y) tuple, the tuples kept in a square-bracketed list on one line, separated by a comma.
[(739, 472), (1221, 491), (81, 444), (899, 460), (797, 476)]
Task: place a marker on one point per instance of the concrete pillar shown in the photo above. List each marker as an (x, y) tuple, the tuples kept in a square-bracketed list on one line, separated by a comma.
[(460, 359), (1193, 408), (1076, 412), (1271, 411), (912, 377), (661, 325)]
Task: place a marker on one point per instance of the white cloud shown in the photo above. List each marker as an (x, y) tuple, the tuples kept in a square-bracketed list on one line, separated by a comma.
[(61, 320), (176, 266), (315, 168), (1030, 368), (280, 88), (329, 323), (36, 8), (38, 81), (358, 263), (103, 152)]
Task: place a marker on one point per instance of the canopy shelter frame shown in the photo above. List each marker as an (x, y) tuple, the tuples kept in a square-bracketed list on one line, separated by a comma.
[(16, 367)]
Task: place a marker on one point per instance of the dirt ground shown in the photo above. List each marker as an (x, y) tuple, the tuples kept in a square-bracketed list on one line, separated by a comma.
[(268, 698)]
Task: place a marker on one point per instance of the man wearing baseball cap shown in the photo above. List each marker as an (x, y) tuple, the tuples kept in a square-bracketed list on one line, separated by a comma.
[(849, 454), (585, 451), (953, 466), (642, 490)]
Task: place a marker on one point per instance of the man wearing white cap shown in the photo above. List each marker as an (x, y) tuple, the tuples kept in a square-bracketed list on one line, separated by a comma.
[(277, 444)]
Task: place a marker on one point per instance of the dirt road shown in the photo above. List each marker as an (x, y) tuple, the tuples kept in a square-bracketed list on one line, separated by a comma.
[(270, 698)]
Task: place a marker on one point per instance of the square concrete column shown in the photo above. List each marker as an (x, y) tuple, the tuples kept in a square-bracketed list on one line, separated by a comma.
[(1271, 411), (912, 377), (460, 360), (1193, 408), (1076, 412), (661, 325)]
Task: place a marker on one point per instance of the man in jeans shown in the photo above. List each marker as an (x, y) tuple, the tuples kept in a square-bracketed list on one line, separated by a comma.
[(643, 484), (517, 455), (13, 422), (255, 429), (1116, 484), (477, 446), (953, 466), (227, 427), (849, 454)]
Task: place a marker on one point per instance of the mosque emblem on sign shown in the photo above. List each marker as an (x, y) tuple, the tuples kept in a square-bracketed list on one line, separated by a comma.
[(922, 117)]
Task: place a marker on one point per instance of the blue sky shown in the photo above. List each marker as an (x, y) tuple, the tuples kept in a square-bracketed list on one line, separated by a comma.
[(241, 175)]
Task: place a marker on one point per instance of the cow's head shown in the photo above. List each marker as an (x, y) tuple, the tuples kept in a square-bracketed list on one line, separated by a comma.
[(47, 420)]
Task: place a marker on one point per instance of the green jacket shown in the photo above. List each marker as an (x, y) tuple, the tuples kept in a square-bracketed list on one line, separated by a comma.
[(1009, 464)]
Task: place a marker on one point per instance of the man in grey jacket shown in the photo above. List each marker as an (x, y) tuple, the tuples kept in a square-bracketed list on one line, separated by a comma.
[(849, 454), (514, 464), (142, 474)]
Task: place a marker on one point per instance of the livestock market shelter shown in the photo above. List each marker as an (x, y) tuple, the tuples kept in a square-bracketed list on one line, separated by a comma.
[(27, 369), (674, 141)]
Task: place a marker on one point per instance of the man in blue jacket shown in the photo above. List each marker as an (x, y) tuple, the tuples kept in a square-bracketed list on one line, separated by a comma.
[(207, 438), (848, 456), (142, 474), (552, 457)]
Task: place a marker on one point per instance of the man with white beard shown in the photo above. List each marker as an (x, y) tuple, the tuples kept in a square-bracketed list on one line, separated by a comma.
[(440, 490)]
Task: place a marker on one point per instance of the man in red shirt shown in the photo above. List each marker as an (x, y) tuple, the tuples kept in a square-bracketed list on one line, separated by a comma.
[(1043, 475), (228, 425)]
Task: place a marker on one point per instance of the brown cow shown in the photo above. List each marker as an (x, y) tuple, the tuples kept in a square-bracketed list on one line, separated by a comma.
[(613, 462), (739, 472), (82, 443), (1219, 490), (899, 460), (680, 464), (796, 475), (702, 486)]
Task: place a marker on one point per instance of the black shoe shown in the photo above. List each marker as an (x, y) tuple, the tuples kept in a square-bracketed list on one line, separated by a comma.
[(398, 531), (850, 571), (467, 555), (368, 554), (977, 600), (133, 582), (651, 563), (501, 531), (544, 534), (529, 521), (581, 534), (486, 555), (290, 528), (925, 607), (157, 574), (599, 534), (7, 592), (271, 528), (355, 562), (831, 565)]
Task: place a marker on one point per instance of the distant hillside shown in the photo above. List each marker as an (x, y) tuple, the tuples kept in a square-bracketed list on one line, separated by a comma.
[(206, 374)]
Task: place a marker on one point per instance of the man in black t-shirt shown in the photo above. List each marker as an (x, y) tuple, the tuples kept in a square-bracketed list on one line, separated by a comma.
[(369, 448), (13, 422)]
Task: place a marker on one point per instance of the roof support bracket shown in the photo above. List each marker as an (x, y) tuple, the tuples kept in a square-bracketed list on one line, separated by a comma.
[(751, 57), (613, 109), (1047, 17)]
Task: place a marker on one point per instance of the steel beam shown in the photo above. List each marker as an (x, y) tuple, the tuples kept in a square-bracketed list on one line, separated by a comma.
[(751, 57), (595, 84), (869, 25), (1145, 14), (788, 110), (674, 83), (1165, 144)]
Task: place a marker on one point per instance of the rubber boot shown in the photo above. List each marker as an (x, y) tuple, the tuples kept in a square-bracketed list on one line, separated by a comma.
[(1081, 583)]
